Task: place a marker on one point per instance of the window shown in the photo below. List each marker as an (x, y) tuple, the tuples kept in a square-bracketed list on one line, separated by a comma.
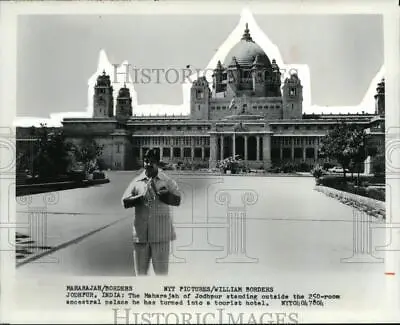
[(286, 153), (309, 152), (292, 92), (177, 152), (199, 94), (187, 152), (197, 152), (178, 128), (189, 128), (198, 107), (206, 152), (298, 152), (166, 152)]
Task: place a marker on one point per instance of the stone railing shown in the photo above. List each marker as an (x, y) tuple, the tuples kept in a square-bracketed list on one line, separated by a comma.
[(370, 206)]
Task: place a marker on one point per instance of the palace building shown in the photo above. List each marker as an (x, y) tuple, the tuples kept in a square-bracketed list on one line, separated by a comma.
[(246, 112)]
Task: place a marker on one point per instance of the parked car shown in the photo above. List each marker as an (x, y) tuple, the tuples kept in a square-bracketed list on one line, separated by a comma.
[(337, 170)]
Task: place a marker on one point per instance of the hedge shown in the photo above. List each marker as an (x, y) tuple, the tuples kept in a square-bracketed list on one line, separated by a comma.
[(348, 185)]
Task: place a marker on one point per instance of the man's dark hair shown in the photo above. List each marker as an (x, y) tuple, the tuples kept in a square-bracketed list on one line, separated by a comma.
[(152, 155)]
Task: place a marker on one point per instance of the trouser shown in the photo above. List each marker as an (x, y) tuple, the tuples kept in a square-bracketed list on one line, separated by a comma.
[(158, 253)]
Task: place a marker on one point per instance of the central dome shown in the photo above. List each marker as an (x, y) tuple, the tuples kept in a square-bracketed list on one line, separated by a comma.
[(246, 51)]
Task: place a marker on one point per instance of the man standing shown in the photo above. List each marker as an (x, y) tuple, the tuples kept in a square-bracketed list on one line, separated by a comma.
[(152, 193)]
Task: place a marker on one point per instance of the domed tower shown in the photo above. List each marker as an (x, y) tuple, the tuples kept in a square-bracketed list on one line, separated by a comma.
[(249, 69), (103, 105), (380, 98), (124, 103), (200, 99), (292, 98)]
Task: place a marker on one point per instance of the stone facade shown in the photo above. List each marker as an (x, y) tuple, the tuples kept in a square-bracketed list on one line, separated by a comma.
[(246, 112)]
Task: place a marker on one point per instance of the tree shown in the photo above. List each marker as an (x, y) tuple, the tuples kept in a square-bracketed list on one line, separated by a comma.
[(52, 157), (378, 162), (358, 148), (336, 146), (88, 153)]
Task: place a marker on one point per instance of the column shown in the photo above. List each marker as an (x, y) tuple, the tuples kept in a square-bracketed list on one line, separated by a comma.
[(233, 144), (221, 147), (258, 148), (161, 153), (202, 152), (315, 149), (292, 148), (304, 153), (181, 154), (245, 147), (280, 150), (171, 153), (140, 151), (267, 151), (213, 151)]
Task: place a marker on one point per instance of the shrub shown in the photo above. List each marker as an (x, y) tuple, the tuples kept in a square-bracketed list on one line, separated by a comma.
[(288, 167), (199, 165), (376, 193), (302, 167), (332, 181), (274, 169), (317, 171), (328, 165), (99, 175)]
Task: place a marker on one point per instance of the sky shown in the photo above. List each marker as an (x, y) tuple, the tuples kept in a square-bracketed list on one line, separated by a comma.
[(58, 54)]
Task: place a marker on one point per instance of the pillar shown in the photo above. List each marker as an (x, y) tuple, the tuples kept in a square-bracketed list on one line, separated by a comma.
[(280, 151), (258, 148), (267, 151), (221, 147), (181, 153), (315, 149), (171, 153), (140, 152), (202, 152), (192, 148), (245, 147), (161, 153), (213, 151), (292, 148), (304, 153), (234, 144)]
